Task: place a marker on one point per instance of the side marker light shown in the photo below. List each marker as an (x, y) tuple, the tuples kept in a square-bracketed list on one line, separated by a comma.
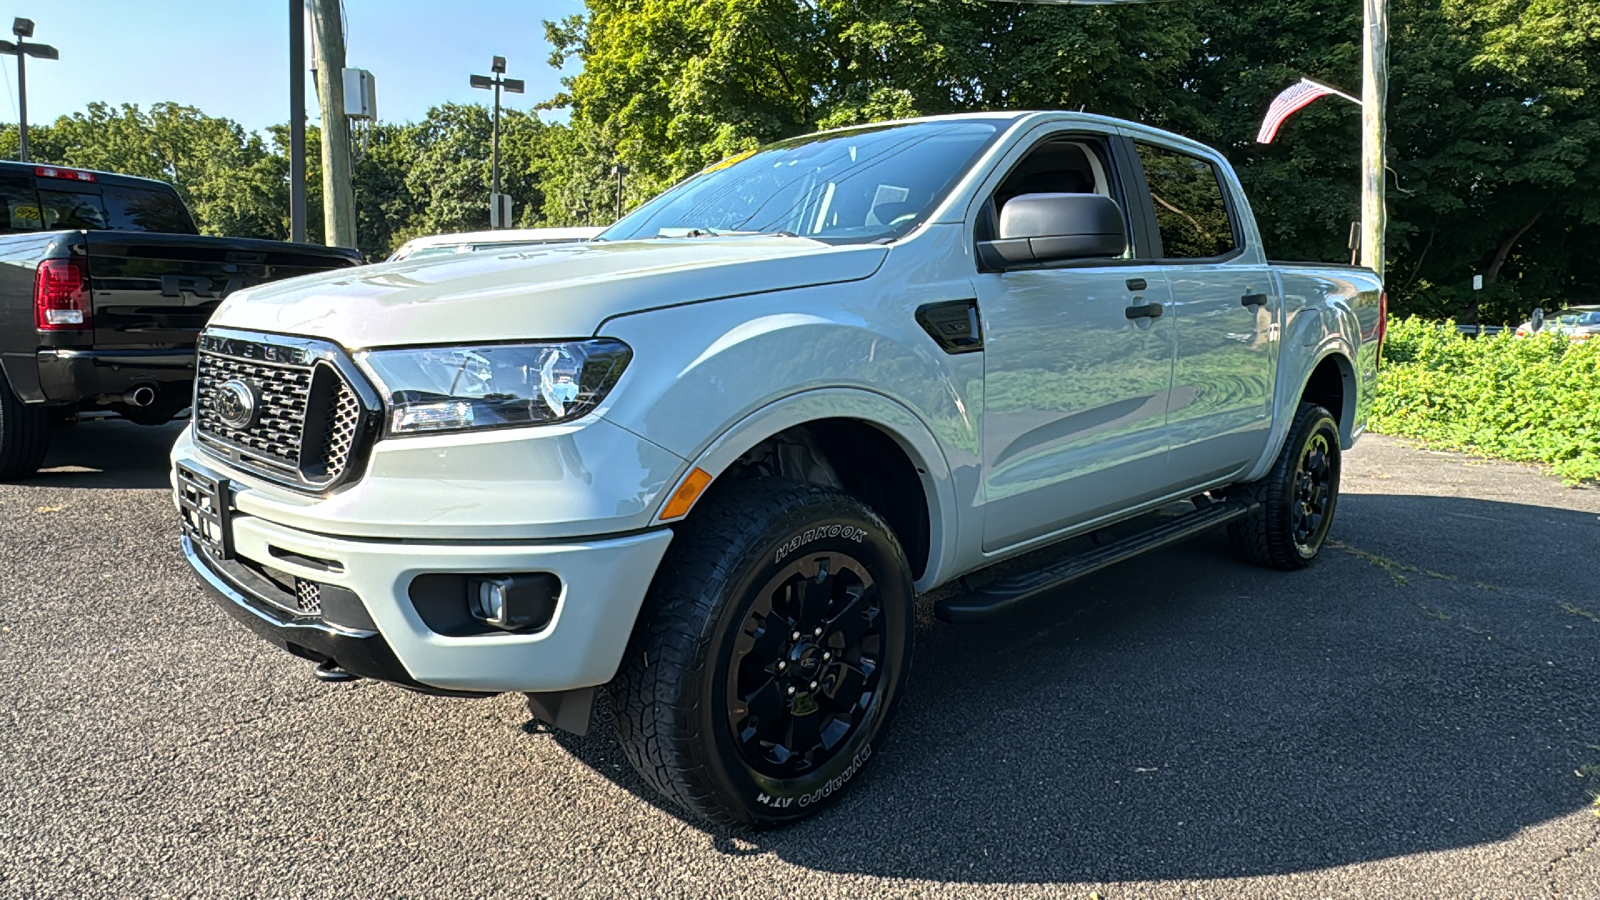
[(689, 490)]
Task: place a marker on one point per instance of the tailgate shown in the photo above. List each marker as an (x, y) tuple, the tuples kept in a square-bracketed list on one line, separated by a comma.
[(158, 290)]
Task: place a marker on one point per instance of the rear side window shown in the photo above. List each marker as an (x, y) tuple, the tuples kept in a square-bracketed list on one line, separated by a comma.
[(1190, 209), (70, 209), (21, 204), (137, 209)]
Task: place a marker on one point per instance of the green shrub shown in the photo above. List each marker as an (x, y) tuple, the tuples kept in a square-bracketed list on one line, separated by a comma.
[(1533, 399)]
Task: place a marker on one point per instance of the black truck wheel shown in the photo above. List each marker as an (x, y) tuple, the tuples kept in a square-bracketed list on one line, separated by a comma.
[(770, 653), (24, 435), (1297, 496)]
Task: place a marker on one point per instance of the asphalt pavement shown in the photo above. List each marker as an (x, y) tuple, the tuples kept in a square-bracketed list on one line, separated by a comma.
[(1413, 716)]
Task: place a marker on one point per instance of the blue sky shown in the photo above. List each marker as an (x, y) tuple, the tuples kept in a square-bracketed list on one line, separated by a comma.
[(231, 57)]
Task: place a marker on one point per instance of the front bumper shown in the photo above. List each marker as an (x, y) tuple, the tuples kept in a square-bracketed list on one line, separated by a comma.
[(603, 585)]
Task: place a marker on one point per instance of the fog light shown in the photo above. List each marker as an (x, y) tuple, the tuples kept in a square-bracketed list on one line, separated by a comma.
[(513, 602)]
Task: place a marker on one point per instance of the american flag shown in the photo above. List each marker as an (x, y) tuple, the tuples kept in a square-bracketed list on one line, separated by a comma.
[(1294, 98)]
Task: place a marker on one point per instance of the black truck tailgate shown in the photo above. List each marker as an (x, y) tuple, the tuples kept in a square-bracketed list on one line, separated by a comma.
[(157, 290)]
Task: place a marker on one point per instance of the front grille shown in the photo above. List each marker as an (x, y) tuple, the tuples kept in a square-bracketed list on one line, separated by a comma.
[(309, 421), (276, 433)]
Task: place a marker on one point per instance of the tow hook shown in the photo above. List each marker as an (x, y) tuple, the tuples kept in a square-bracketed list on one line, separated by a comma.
[(331, 673)]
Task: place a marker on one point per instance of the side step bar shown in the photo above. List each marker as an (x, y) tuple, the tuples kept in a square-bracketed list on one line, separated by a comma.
[(998, 598)]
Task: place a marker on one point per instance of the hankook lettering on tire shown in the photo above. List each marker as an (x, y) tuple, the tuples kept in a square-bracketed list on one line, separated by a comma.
[(816, 534)]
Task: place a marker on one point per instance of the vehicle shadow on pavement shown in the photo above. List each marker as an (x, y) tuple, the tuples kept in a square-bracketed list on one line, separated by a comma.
[(108, 453), (1189, 716)]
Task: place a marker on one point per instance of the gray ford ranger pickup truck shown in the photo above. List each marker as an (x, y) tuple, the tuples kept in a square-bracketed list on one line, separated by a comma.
[(707, 463)]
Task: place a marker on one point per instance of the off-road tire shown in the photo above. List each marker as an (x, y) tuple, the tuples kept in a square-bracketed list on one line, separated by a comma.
[(1273, 535), (24, 435), (674, 699)]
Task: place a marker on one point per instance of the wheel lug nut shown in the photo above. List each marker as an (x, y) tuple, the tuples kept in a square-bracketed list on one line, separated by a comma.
[(791, 692), (813, 685), (827, 656), (795, 636), (782, 665), (818, 632)]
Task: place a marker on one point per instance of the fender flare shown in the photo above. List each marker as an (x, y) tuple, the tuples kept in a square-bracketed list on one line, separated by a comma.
[(1332, 345), (890, 416)]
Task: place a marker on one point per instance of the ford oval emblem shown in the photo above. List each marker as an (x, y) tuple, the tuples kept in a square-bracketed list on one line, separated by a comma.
[(235, 405)]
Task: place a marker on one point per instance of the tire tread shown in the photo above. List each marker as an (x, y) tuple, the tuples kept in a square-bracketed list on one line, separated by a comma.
[(655, 708), (1261, 537), (24, 435)]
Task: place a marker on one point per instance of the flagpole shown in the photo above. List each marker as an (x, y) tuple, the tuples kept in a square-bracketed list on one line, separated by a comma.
[(1374, 96), (1332, 90)]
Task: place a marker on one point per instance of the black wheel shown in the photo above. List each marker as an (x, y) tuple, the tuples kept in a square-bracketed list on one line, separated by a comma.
[(769, 655), (1297, 496), (24, 435)]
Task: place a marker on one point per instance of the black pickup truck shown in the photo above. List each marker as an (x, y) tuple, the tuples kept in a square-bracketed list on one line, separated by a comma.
[(105, 284)]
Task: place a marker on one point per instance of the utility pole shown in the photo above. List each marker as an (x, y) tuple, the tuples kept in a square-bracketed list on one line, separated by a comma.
[(1374, 99), (338, 187), (297, 120), (22, 49), (499, 205)]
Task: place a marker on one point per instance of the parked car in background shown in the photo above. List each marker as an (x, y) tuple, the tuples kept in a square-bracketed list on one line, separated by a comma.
[(1576, 322), (105, 285), (469, 241), (707, 463)]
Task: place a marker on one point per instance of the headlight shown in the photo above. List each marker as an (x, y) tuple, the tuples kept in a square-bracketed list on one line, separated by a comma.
[(433, 389)]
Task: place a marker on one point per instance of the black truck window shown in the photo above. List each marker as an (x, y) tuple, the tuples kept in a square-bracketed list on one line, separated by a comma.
[(138, 209), (1190, 209), (21, 201), (70, 209)]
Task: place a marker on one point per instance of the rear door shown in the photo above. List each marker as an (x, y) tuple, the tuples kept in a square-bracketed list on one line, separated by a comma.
[(1224, 308)]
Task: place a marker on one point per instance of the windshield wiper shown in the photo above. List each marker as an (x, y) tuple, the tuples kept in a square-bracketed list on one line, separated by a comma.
[(718, 232)]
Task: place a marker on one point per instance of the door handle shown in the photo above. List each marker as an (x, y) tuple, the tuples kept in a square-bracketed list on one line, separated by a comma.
[(1147, 311), (1253, 300), (1137, 284)]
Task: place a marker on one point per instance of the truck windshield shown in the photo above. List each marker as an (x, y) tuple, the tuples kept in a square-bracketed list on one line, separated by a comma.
[(860, 185)]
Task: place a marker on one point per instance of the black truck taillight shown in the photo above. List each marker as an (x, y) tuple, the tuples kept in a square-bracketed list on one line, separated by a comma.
[(61, 296)]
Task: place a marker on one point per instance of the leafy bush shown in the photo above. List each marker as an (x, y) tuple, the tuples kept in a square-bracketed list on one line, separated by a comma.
[(1533, 399)]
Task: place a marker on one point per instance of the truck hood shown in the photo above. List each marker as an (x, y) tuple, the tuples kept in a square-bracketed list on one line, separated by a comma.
[(555, 291)]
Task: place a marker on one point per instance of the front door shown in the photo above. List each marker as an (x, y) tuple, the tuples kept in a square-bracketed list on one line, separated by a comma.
[(1075, 396)]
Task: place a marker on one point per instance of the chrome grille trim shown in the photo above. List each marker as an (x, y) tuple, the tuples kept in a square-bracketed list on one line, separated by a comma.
[(317, 415)]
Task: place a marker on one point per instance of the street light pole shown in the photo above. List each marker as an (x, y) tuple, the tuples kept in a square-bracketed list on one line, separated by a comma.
[(620, 171), (297, 120), (494, 162), (498, 209), (22, 49)]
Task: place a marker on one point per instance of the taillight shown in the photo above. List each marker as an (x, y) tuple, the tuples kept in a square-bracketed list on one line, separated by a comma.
[(61, 296)]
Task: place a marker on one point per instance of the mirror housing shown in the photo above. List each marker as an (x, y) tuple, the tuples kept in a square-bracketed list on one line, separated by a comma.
[(1043, 228), (1537, 318)]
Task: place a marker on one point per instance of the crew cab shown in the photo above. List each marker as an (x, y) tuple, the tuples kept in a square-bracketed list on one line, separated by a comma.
[(708, 462), (104, 287)]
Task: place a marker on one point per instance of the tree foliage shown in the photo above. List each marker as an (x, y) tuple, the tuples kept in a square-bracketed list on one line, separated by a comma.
[(1494, 117), (1494, 121)]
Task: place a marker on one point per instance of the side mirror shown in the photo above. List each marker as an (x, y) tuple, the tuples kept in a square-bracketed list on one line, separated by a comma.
[(1043, 228), (1537, 319)]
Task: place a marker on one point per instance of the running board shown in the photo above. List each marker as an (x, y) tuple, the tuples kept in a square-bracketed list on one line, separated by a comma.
[(997, 598)]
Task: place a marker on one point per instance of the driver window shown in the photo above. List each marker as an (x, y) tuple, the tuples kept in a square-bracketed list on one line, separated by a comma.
[(1065, 166)]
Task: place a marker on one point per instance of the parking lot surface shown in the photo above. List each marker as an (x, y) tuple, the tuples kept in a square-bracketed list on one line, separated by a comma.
[(1414, 716)]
